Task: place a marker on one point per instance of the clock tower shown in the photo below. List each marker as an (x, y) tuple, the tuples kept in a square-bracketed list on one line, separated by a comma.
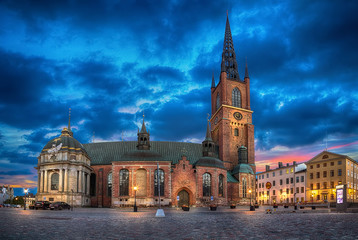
[(231, 119)]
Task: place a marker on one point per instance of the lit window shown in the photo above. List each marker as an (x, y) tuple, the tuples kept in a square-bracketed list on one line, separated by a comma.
[(123, 182)]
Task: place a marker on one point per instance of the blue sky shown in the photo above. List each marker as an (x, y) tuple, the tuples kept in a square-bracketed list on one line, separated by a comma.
[(111, 60)]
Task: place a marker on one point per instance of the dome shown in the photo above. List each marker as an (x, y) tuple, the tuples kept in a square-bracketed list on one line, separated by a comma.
[(68, 143), (210, 162), (242, 168)]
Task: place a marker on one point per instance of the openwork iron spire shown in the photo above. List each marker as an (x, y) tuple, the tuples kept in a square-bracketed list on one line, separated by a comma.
[(228, 63)]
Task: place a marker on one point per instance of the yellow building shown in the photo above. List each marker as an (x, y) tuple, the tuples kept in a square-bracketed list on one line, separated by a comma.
[(327, 170)]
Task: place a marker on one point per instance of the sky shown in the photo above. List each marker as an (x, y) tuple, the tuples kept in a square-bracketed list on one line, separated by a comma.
[(110, 61)]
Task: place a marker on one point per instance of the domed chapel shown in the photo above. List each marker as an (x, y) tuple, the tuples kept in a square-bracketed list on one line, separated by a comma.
[(221, 170)]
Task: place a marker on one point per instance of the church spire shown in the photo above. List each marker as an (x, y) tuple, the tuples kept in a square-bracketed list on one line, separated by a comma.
[(208, 145), (246, 70), (143, 138), (208, 133), (144, 129), (69, 123), (213, 82), (228, 63)]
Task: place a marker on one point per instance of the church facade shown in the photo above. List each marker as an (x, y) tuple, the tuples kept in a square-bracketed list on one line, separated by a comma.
[(221, 170)]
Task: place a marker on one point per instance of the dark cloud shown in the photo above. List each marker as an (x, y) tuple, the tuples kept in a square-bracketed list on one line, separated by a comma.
[(20, 172)]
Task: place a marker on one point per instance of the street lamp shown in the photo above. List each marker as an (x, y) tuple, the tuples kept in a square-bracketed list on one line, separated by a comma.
[(25, 190), (135, 199)]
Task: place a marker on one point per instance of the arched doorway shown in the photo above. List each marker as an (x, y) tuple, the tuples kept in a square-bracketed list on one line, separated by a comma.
[(183, 198)]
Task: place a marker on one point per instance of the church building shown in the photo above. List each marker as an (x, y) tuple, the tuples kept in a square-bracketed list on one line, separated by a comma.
[(221, 170)]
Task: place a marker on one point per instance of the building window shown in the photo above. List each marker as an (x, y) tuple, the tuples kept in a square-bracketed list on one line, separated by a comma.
[(302, 178), (318, 197), (287, 180), (54, 181), (332, 196), (287, 171), (93, 184), (324, 164), (318, 165), (236, 98), (259, 176), (332, 163), (123, 182), (291, 191), (273, 183), (332, 173), (302, 189), (291, 170), (236, 132), (221, 185), (324, 185), (318, 175), (280, 181), (280, 172), (273, 174), (109, 185), (339, 172), (263, 176), (280, 191), (297, 190), (339, 162), (318, 186), (332, 184), (324, 174), (287, 191), (267, 175), (311, 186), (160, 182), (206, 185), (311, 167), (291, 179), (244, 187), (297, 179), (311, 175), (273, 192), (217, 101)]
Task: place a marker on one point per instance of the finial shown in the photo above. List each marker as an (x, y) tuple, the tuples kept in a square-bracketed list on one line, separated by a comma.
[(93, 137), (246, 69), (69, 119), (213, 81), (227, 12)]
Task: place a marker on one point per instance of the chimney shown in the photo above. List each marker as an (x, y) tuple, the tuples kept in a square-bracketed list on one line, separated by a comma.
[(294, 163), (287, 164), (279, 164), (267, 168)]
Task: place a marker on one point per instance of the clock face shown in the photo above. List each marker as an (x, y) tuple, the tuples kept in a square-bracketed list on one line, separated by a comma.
[(216, 120), (237, 115)]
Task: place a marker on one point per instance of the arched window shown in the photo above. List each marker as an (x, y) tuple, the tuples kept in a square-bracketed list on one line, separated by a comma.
[(221, 185), (109, 185), (217, 101), (236, 132), (161, 182), (236, 98), (93, 184), (124, 182), (244, 188), (54, 181), (206, 185)]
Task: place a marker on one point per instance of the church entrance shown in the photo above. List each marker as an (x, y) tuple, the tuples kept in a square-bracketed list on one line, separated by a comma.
[(183, 198)]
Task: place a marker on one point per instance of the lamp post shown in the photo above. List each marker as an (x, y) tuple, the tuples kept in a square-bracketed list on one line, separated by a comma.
[(252, 208), (26, 190), (135, 199)]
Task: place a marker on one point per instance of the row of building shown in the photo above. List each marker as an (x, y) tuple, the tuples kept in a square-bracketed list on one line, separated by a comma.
[(313, 181)]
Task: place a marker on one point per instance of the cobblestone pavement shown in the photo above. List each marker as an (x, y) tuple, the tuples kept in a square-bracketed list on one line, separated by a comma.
[(198, 223)]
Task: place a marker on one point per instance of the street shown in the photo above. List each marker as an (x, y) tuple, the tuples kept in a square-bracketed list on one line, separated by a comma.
[(198, 223)]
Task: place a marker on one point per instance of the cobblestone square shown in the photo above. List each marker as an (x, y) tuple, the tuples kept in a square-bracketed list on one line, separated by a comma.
[(198, 223)]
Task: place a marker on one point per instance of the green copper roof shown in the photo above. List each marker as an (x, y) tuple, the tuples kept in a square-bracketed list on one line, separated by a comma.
[(210, 162), (103, 153), (242, 168), (231, 178)]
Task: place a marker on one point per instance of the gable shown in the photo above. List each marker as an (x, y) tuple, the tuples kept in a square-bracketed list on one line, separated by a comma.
[(325, 155)]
